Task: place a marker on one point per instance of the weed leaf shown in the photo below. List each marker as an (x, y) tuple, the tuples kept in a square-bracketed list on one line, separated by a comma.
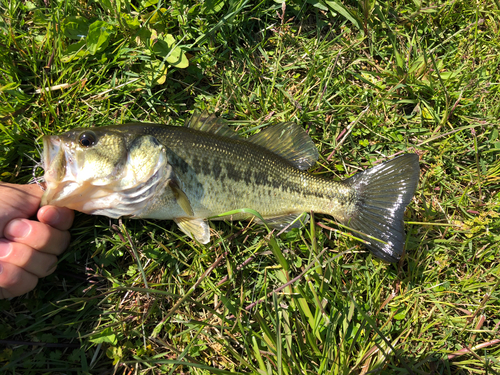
[(98, 37)]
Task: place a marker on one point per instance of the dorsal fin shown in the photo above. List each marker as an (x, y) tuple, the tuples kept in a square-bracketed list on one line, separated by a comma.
[(211, 124), (290, 141), (287, 139)]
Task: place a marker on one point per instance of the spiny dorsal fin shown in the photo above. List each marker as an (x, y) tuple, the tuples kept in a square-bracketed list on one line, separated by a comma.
[(211, 124), (289, 141)]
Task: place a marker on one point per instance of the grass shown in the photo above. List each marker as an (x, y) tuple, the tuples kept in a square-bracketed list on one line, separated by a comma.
[(368, 80)]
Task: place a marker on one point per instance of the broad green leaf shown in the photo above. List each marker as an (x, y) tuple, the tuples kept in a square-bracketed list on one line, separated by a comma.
[(106, 4), (75, 27), (178, 58), (143, 35), (158, 20), (131, 22), (113, 6), (74, 51), (318, 4), (494, 134), (148, 3), (164, 47), (105, 336), (400, 316), (161, 76), (30, 5), (156, 71), (161, 48), (98, 37), (213, 6), (169, 38)]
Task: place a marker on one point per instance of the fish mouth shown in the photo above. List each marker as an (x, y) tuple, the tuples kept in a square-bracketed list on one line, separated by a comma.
[(63, 187), (58, 174), (51, 147)]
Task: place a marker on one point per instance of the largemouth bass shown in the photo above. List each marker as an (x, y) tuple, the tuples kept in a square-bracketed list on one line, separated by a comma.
[(204, 169)]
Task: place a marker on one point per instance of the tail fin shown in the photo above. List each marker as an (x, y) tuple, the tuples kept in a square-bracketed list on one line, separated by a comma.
[(383, 192)]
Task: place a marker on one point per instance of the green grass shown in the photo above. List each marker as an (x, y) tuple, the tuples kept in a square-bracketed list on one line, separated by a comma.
[(368, 80)]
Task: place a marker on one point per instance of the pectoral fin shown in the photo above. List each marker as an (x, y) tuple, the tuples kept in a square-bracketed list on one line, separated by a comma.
[(194, 228), (181, 197)]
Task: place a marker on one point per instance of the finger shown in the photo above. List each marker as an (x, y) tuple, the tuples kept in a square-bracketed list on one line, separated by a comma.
[(57, 217), (18, 201), (29, 191), (34, 261), (37, 235), (15, 281)]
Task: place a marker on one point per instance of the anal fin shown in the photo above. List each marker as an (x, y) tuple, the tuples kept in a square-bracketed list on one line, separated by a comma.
[(194, 228), (288, 221)]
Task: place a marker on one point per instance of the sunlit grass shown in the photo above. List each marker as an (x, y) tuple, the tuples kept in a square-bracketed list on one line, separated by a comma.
[(367, 80)]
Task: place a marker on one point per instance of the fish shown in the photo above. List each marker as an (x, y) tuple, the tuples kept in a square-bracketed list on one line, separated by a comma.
[(205, 169)]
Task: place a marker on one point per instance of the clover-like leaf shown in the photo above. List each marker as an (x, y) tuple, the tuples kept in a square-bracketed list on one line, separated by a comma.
[(105, 336), (99, 36), (75, 27)]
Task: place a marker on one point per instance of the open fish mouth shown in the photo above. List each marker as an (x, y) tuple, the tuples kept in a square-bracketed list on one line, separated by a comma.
[(51, 147), (39, 164), (63, 187), (59, 176)]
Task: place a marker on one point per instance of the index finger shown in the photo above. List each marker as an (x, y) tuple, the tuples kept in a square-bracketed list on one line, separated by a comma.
[(18, 201)]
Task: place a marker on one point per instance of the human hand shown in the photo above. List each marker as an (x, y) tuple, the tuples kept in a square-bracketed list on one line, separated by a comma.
[(29, 248)]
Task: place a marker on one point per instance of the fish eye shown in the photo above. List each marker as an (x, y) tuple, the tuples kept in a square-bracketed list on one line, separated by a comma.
[(87, 139)]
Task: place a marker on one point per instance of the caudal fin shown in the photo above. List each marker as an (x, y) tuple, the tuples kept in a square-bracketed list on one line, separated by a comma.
[(383, 192)]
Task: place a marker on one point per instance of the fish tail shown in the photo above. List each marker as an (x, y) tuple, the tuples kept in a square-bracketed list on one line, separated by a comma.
[(381, 196)]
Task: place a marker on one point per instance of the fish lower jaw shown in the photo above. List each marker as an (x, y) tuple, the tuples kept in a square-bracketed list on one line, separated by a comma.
[(70, 194), (92, 200), (110, 200)]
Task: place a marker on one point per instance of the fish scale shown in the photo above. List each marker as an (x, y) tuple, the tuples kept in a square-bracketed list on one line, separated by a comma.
[(239, 174)]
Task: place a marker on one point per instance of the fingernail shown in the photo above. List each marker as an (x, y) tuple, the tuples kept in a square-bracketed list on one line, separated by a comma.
[(5, 248), (17, 229), (51, 216), (52, 266)]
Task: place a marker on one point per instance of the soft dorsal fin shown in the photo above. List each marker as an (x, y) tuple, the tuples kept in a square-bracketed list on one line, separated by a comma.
[(290, 141), (211, 124)]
